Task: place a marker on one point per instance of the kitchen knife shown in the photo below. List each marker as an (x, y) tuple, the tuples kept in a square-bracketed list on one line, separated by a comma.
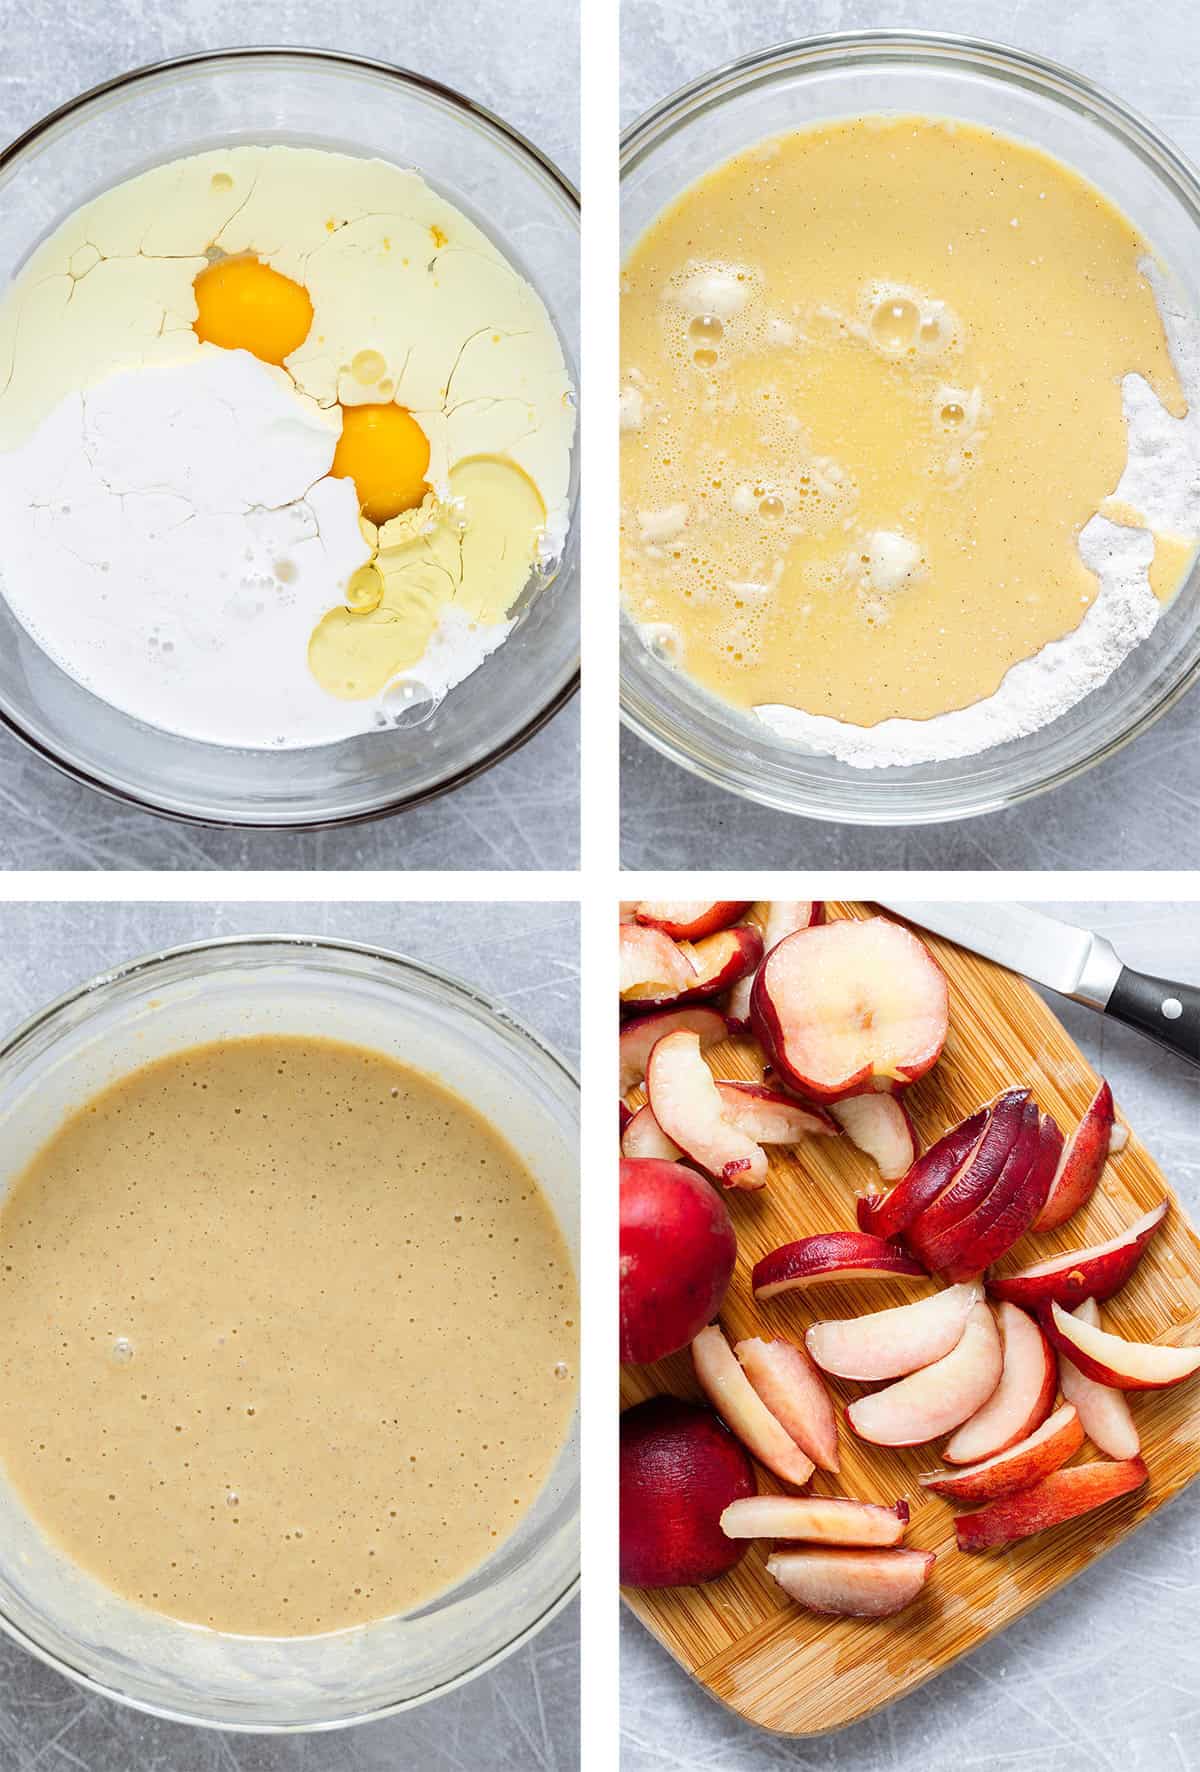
[(1073, 962)]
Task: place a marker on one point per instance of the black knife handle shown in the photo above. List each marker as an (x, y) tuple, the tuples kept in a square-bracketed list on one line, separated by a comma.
[(1168, 1012)]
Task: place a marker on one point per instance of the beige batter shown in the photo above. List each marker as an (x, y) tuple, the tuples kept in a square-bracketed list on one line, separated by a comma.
[(871, 395), (289, 1337)]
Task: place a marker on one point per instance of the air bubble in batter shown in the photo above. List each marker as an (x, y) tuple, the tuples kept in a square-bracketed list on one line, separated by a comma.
[(895, 324), (408, 703)]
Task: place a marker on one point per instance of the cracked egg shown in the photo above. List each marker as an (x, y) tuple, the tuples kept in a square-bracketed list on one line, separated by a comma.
[(282, 430)]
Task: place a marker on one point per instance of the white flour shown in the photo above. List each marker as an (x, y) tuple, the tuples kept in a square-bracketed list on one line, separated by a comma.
[(1162, 481)]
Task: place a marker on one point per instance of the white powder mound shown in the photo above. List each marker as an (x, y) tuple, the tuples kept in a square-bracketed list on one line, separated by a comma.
[(1162, 481)]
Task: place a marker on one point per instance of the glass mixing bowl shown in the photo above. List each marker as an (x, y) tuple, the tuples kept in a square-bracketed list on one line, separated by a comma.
[(515, 195), (805, 83), (267, 985)]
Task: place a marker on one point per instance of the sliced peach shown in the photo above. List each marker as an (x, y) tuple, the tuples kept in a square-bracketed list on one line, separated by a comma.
[(1063, 1495), (783, 917), (717, 962), (840, 1003), (1018, 1467), (880, 1126), (644, 1137), (1003, 1217), (831, 1255), (816, 1519), (890, 1214), (852, 1583), (638, 1037), (651, 962), (771, 1117), (1104, 1412), (691, 920), (794, 1391), (973, 1182), (1020, 1402), (686, 1104), (1082, 1163), (888, 1344), (1110, 1359), (935, 1400), (1095, 1272), (743, 1411)]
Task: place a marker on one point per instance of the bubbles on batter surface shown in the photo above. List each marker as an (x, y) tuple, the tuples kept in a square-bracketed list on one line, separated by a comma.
[(122, 1350), (907, 324), (664, 642), (406, 704)]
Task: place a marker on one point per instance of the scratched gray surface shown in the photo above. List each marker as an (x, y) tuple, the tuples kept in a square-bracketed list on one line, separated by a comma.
[(524, 812), (1106, 1674), (1141, 806), (522, 1717)]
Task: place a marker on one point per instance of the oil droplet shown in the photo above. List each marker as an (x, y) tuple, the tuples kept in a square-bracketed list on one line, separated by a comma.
[(704, 357), (707, 328), (365, 590), (771, 507), (222, 181), (285, 571), (367, 367), (894, 324), (952, 413)]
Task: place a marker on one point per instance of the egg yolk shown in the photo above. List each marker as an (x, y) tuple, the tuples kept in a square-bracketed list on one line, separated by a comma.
[(245, 305), (386, 453)]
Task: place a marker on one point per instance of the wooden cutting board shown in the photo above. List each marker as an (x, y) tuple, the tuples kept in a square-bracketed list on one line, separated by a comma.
[(800, 1674)]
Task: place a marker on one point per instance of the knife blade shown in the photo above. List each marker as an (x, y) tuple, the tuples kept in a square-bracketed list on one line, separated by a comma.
[(1074, 962)]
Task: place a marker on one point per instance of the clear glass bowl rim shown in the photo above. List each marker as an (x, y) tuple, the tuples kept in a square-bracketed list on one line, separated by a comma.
[(1002, 62), (526, 149), (501, 1022)]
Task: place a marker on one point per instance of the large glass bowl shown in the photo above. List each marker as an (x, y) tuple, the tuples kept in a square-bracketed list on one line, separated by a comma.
[(798, 84), (289, 984), (515, 195)]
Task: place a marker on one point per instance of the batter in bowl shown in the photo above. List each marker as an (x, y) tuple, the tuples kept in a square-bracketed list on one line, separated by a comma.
[(903, 437), (289, 1337)]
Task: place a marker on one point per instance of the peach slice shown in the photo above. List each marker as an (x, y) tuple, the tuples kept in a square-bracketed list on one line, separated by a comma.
[(975, 1179), (938, 1398), (1105, 1412), (677, 1253), (838, 1004), (686, 1104), (794, 1391), (784, 917), (1082, 1163), (1006, 1212), (771, 1117), (679, 1470), (832, 1255), (1110, 1359), (643, 1137), (743, 1411), (651, 963), (888, 1344), (717, 962), (690, 921), (638, 1037), (881, 1128), (1018, 1467), (1020, 1402), (890, 1214), (852, 1583), (817, 1519), (1095, 1272), (1063, 1495)]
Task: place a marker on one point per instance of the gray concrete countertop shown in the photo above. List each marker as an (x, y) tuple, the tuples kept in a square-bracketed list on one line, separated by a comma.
[(524, 1715), (523, 813), (1106, 1674), (1141, 805)]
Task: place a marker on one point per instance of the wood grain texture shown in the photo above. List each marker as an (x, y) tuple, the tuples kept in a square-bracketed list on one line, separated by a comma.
[(792, 1671)]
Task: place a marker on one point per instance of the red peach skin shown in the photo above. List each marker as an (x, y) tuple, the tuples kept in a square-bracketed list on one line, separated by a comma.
[(1003, 1217), (973, 1182), (690, 921), (677, 1253), (743, 1411), (1104, 1412), (831, 1255), (638, 1037), (1018, 1467), (784, 917), (1020, 1402), (1082, 1163), (679, 1470), (1095, 1272), (816, 1519), (852, 1583), (1063, 1495), (938, 1398), (891, 1343), (890, 1214), (685, 1102), (794, 1391), (1110, 1359), (839, 1004), (717, 962)]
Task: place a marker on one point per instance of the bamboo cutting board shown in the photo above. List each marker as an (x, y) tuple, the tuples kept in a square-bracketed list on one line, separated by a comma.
[(793, 1671)]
